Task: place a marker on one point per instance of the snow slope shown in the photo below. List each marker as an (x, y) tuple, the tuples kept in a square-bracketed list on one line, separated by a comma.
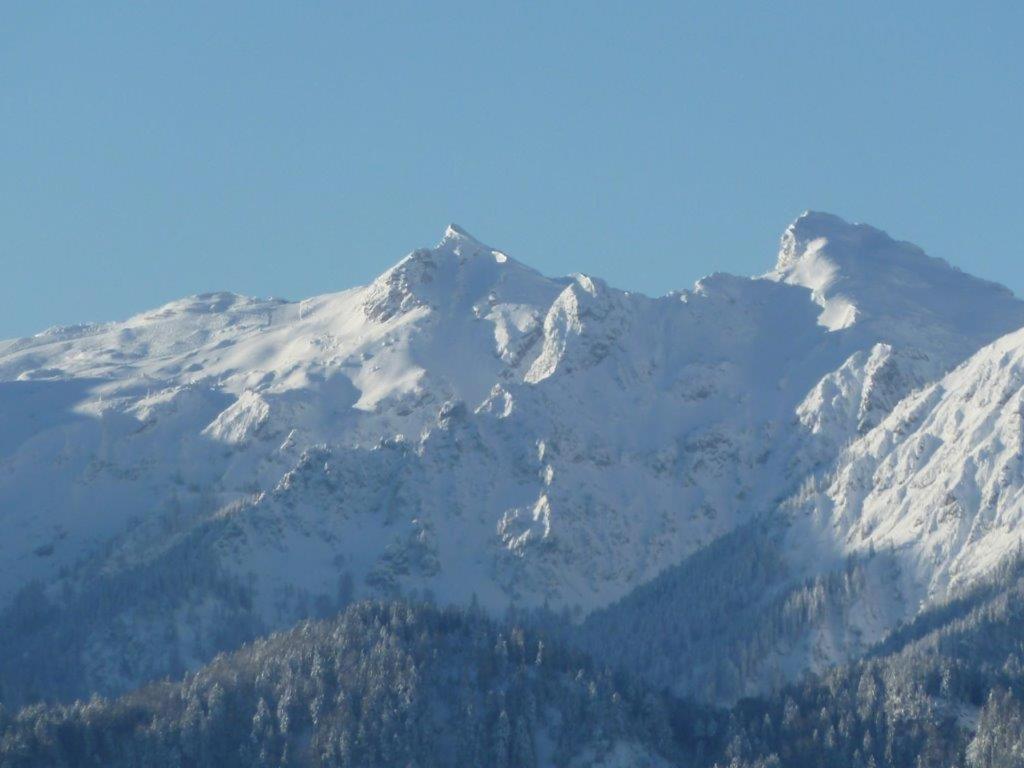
[(463, 425), (941, 479)]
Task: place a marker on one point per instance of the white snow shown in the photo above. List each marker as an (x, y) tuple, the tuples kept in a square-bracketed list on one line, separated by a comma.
[(466, 425), (941, 479)]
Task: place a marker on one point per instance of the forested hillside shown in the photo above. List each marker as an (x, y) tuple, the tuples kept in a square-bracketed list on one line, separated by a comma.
[(381, 685), (945, 690), (412, 685)]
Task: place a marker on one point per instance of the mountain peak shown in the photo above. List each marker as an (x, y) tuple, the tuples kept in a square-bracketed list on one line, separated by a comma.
[(459, 271), (812, 231), (460, 243), (454, 230), (859, 274), (456, 235)]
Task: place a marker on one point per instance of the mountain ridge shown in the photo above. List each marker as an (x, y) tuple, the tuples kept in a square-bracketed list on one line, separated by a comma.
[(461, 426)]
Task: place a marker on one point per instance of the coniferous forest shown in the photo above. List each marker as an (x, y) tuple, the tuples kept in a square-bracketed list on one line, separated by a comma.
[(402, 684)]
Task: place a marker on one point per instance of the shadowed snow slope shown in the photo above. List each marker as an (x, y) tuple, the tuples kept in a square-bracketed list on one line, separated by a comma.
[(463, 425)]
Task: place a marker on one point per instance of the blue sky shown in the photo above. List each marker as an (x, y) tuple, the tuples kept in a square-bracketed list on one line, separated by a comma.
[(149, 151)]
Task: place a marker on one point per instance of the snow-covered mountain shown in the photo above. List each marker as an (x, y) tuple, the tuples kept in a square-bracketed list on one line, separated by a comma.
[(941, 479), (928, 503), (465, 426)]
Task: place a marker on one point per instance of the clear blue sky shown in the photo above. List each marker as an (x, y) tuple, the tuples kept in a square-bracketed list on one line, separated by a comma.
[(152, 150)]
